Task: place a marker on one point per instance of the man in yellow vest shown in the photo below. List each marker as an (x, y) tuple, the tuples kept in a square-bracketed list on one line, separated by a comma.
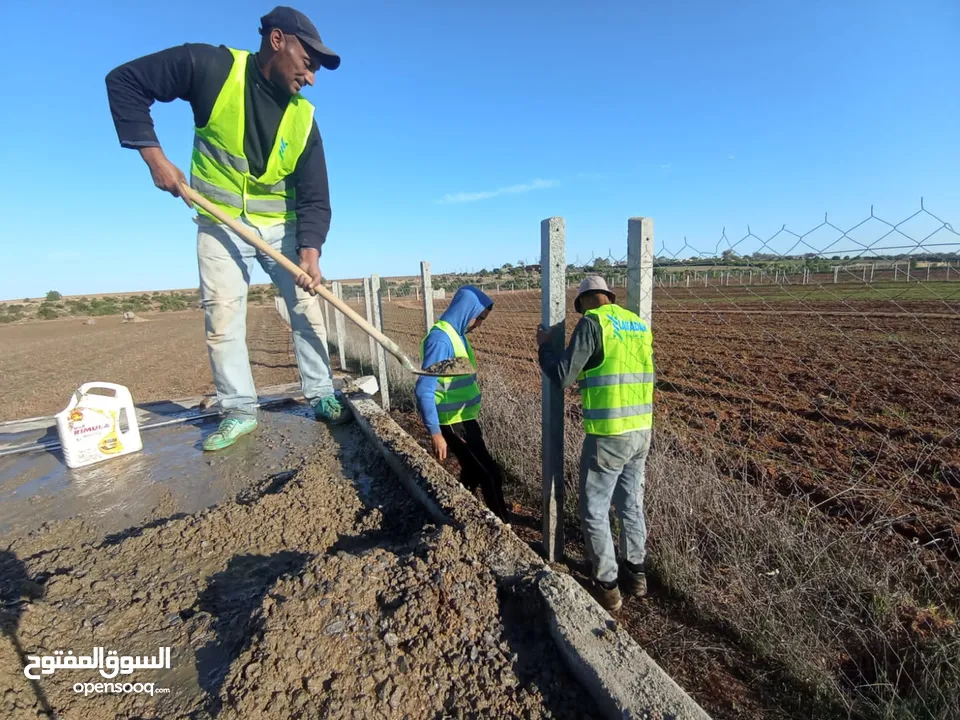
[(258, 156), (450, 406), (610, 355)]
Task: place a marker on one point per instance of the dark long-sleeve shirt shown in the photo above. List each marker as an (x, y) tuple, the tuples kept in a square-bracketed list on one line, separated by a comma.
[(584, 352), (196, 73)]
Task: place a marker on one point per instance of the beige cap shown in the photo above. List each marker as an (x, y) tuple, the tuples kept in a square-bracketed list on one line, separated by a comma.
[(593, 283)]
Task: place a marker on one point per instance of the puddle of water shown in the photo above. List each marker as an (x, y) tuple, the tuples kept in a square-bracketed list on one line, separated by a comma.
[(172, 468)]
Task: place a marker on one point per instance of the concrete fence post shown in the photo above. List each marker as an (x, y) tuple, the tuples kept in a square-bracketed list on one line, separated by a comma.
[(553, 315), (427, 295), (341, 329), (836, 273), (368, 301), (640, 267), (381, 355)]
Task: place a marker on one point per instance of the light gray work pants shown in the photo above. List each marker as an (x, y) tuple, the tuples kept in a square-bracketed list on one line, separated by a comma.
[(612, 470)]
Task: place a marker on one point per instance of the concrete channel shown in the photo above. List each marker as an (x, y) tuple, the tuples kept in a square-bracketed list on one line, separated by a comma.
[(292, 575)]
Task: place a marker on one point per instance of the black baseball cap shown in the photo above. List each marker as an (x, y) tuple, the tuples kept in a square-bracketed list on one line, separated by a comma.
[(294, 22)]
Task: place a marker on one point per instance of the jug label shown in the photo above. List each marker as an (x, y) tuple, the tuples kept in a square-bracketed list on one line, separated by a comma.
[(87, 422)]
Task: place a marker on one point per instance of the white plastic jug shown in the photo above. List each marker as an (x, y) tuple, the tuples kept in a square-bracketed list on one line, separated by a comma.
[(91, 426)]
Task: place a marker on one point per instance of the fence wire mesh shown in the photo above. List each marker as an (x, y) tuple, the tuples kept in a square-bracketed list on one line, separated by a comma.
[(804, 485), (823, 362), (821, 367)]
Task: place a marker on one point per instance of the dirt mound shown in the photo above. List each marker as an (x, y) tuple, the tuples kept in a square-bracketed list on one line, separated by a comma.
[(321, 590)]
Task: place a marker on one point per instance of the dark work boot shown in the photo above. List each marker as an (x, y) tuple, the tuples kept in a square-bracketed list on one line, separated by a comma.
[(633, 580), (608, 597)]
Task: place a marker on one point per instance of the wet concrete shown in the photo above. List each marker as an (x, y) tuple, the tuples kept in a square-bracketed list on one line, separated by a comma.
[(321, 590), (170, 475)]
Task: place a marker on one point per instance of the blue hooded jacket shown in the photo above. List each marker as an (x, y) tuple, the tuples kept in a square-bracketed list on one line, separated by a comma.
[(467, 303)]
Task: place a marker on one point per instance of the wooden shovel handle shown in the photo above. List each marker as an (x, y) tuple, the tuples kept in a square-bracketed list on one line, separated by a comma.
[(252, 238)]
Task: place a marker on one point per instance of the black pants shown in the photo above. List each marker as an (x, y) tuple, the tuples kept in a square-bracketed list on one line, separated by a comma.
[(477, 467)]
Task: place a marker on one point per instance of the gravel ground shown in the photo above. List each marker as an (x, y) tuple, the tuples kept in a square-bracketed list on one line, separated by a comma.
[(320, 592)]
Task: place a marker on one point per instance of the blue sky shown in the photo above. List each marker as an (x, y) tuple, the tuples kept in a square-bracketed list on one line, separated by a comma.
[(452, 129)]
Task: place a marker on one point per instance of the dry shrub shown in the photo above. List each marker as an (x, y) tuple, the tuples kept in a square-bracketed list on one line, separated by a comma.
[(870, 632)]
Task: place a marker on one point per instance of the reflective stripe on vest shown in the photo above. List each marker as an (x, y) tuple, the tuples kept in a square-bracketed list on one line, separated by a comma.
[(219, 169), (618, 395), (457, 397)]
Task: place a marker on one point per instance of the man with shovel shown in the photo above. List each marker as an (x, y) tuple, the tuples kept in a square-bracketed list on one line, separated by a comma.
[(258, 157), (610, 355)]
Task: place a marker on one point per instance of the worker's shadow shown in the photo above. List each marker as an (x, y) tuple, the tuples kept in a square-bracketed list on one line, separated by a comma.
[(391, 526), (533, 659), (231, 600), (16, 591)]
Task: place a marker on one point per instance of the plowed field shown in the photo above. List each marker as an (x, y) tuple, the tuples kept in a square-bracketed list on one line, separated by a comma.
[(854, 403)]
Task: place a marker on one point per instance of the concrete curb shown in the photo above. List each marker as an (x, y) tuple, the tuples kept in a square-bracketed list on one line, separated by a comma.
[(623, 680)]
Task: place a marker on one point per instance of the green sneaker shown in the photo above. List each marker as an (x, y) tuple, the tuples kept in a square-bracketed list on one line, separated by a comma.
[(229, 432), (330, 410)]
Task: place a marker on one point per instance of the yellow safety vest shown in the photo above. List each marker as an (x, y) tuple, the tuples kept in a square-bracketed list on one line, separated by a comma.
[(618, 395), (458, 397), (219, 169)]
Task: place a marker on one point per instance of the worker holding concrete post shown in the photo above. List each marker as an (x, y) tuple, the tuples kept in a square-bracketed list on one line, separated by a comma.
[(450, 406), (610, 355), (258, 156)]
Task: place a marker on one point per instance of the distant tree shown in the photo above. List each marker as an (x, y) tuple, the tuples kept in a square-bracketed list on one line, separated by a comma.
[(729, 255), (53, 295), (601, 263)]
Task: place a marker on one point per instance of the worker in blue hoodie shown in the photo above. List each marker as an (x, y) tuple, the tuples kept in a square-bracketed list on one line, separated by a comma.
[(450, 406)]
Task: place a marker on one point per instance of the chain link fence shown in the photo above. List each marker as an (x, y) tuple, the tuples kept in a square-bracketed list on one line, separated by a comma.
[(803, 488)]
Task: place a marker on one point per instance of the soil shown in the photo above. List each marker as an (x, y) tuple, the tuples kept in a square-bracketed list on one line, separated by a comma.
[(846, 403), (726, 680), (43, 362), (850, 403), (321, 591)]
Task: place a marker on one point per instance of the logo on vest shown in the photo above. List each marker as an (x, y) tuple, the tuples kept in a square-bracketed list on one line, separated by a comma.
[(283, 147), (625, 326)]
